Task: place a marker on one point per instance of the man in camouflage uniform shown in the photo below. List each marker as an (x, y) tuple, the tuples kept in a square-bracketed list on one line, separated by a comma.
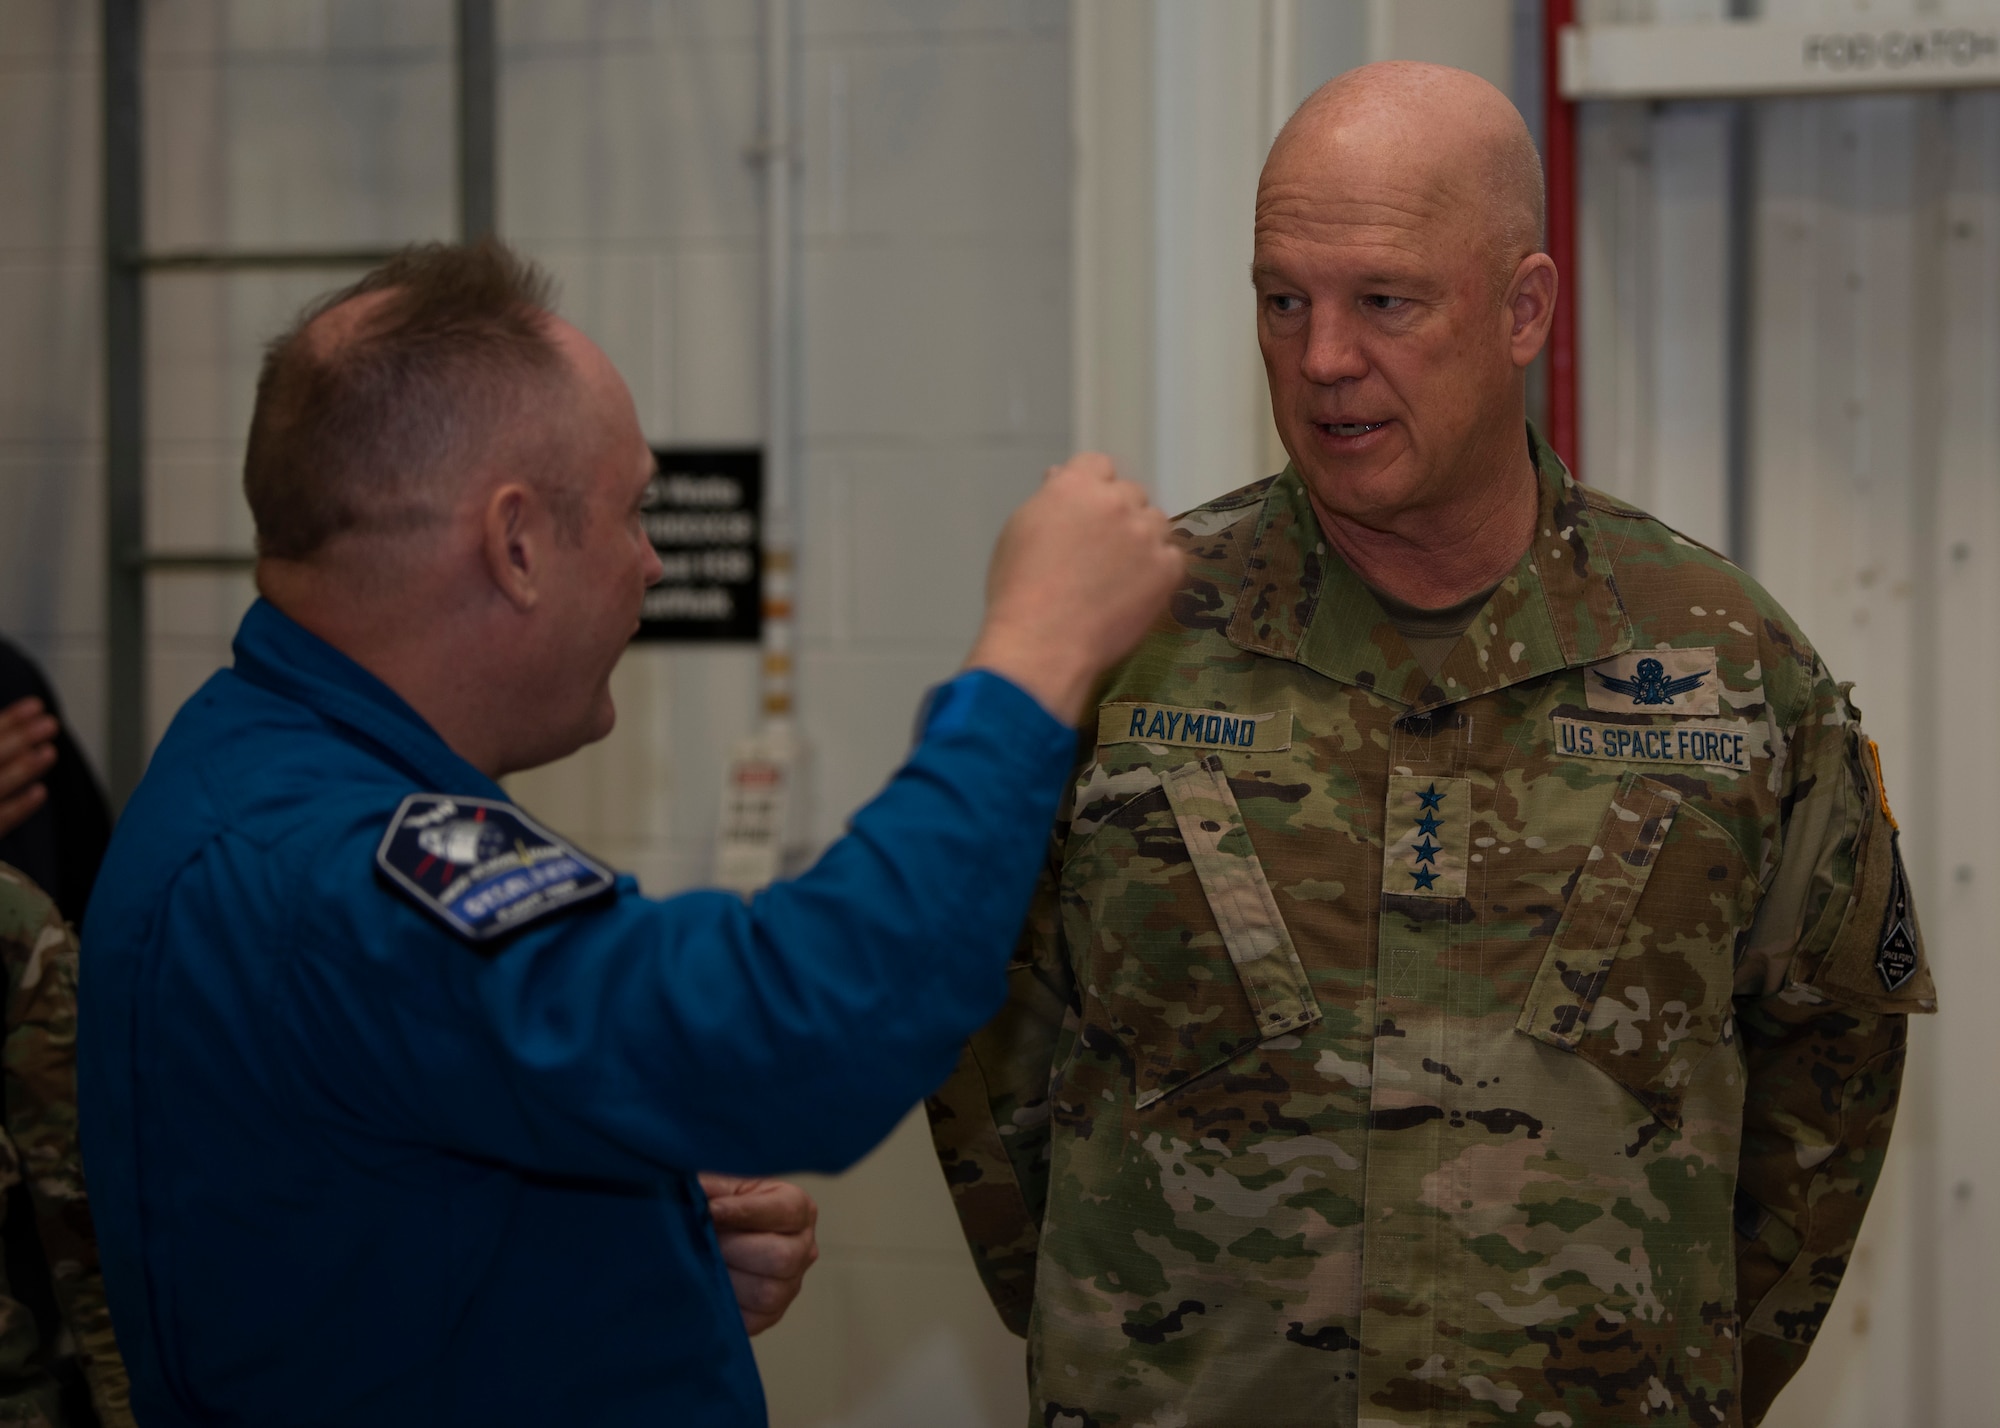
[(1469, 983), (39, 1144)]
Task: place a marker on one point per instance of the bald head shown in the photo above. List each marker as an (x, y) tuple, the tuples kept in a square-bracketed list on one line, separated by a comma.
[(1401, 295), (1441, 138)]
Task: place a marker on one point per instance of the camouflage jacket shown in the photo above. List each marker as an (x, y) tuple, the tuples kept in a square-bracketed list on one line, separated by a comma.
[(39, 1143), (1518, 1047)]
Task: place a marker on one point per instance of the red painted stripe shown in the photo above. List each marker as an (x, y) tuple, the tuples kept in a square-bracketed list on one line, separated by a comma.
[(1559, 136)]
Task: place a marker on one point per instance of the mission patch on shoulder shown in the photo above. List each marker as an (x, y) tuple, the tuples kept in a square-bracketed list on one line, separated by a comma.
[(482, 867)]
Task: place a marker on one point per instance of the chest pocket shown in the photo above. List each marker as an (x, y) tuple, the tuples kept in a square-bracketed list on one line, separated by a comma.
[(1178, 940), (1638, 976)]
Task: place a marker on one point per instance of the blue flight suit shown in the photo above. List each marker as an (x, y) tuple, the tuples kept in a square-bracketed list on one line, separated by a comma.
[(349, 1166)]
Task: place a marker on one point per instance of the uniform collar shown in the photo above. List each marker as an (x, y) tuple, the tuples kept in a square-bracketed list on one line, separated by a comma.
[(1557, 609), (277, 654)]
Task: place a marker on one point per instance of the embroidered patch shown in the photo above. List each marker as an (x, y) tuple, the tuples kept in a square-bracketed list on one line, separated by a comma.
[(1881, 789), (1193, 728), (483, 867), (1429, 823), (1655, 682), (1896, 952), (1712, 743)]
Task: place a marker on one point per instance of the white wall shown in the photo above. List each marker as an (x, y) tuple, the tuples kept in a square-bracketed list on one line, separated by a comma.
[(1178, 103), (935, 245), (936, 390), (1874, 406)]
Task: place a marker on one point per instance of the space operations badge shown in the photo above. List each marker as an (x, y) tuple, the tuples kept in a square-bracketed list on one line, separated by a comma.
[(482, 867), (1666, 681)]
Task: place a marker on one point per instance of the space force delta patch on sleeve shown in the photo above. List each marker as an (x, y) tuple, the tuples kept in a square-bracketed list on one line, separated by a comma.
[(1896, 950), (483, 867)]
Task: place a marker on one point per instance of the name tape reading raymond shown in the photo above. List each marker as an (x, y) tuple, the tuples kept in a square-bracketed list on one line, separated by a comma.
[(1712, 743), (1193, 728)]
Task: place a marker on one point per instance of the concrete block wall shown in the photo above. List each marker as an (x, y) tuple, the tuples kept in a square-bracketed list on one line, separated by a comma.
[(51, 428), (935, 388)]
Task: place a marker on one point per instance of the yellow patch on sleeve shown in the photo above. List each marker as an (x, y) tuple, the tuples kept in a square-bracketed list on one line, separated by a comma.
[(1881, 788)]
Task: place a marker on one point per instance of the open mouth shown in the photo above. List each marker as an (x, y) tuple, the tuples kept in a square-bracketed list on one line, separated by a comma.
[(1354, 428)]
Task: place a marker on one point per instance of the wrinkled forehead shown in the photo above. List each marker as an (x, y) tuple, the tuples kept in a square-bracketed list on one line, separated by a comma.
[(1368, 204)]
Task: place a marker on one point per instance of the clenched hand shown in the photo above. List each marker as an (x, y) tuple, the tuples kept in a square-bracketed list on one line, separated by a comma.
[(1080, 572), (766, 1231)]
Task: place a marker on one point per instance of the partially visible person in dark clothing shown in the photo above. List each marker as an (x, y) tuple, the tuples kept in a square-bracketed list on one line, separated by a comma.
[(54, 820)]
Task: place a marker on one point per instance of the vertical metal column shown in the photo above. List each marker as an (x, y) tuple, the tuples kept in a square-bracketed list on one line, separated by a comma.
[(124, 403), (780, 155), (1739, 376), (1739, 389), (478, 121)]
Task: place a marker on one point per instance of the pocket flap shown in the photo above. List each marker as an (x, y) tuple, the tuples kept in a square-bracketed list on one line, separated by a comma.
[(1593, 922), (1638, 977), (1183, 957), (1260, 945)]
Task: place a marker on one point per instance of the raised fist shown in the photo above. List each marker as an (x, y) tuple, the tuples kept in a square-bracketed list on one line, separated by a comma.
[(1080, 572)]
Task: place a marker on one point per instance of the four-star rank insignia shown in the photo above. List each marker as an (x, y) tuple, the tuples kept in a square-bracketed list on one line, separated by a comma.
[(1429, 826), (482, 867)]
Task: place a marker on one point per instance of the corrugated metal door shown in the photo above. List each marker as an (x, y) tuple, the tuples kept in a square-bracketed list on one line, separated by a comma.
[(1870, 506)]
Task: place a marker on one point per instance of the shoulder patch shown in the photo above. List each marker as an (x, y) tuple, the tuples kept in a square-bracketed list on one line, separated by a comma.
[(483, 867), (1896, 950)]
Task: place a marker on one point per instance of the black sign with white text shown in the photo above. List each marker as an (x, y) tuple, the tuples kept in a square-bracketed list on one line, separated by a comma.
[(703, 513)]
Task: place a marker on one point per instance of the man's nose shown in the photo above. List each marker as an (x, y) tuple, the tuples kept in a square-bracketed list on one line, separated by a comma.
[(1333, 351)]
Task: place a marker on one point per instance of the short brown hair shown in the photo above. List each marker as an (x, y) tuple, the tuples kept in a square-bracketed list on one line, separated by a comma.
[(363, 432)]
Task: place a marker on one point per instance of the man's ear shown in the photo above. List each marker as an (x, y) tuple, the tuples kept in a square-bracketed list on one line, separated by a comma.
[(514, 538), (1531, 307)]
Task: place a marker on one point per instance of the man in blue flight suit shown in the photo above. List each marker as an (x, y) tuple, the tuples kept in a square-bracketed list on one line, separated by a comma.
[(393, 1100)]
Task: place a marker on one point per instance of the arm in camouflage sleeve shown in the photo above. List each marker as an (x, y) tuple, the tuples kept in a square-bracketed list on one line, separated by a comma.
[(41, 1119), (990, 1121), (1834, 964)]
